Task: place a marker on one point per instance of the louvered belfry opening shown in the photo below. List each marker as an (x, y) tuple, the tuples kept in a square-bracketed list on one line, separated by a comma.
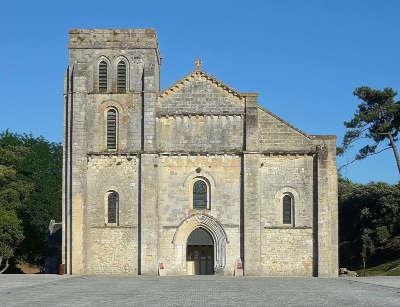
[(103, 76), (287, 209), (111, 129), (112, 207), (121, 77)]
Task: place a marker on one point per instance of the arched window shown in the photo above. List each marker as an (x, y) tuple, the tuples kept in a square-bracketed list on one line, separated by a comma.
[(200, 195), (287, 209), (121, 77), (112, 207), (112, 129), (103, 77)]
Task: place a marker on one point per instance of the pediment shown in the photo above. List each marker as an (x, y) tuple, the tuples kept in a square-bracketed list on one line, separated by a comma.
[(199, 92)]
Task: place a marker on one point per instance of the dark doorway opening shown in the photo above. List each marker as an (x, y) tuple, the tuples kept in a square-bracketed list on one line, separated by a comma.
[(200, 252)]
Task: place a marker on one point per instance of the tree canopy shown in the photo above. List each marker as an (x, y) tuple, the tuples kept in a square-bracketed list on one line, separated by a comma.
[(369, 222), (376, 120), (30, 194)]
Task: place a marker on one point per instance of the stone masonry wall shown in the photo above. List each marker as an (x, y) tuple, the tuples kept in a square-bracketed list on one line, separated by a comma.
[(286, 249), (128, 108), (177, 175), (199, 114), (200, 133), (109, 248), (286, 174), (275, 134), (287, 252)]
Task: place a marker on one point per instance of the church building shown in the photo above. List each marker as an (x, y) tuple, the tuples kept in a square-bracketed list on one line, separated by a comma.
[(197, 178)]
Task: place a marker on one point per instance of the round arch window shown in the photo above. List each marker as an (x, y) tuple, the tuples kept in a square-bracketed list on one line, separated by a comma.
[(200, 195)]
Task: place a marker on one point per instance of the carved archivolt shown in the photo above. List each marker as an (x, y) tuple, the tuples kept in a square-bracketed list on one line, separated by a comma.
[(210, 224)]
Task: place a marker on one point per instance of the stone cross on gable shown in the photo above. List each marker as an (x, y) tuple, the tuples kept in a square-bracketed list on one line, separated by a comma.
[(197, 64)]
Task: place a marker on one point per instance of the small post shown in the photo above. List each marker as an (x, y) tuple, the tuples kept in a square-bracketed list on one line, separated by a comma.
[(238, 268), (197, 64)]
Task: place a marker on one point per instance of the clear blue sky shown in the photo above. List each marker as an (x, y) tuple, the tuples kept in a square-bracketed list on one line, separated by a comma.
[(303, 57)]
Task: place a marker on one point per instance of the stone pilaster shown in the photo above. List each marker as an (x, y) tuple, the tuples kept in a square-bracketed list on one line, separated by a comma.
[(65, 261), (252, 231), (149, 122), (149, 214), (327, 209), (78, 146), (251, 142)]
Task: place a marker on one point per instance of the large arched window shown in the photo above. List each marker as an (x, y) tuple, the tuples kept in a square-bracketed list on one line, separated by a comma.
[(112, 207), (103, 77), (112, 129), (287, 209), (121, 77), (200, 195)]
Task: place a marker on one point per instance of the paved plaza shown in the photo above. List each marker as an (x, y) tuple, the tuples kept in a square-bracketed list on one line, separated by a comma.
[(54, 290)]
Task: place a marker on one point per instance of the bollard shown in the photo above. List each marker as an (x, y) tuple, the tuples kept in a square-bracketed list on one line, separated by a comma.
[(161, 269), (238, 268), (61, 269)]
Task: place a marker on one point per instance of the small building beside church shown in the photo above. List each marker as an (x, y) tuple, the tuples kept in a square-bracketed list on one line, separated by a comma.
[(198, 178)]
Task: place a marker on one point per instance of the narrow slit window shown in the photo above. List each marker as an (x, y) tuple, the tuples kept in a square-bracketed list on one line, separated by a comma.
[(112, 208), (111, 129), (287, 209), (121, 77), (103, 76), (200, 195)]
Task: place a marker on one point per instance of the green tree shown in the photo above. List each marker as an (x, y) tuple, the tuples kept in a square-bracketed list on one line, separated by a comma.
[(376, 120), (43, 167), (37, 163), (11, 234), (14, 190), (369, 221)]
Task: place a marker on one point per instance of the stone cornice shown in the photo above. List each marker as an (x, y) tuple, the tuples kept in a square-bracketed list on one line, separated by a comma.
[(113, 39), (206, 153), (287, 227), (193, 114)]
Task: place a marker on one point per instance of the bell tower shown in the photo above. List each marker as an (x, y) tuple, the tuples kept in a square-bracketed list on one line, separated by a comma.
[(116, 69)]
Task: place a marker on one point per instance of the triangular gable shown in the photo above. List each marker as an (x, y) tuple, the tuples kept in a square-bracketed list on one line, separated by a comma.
[(200, 92), (277, 134), (197, 73), (284, 123)]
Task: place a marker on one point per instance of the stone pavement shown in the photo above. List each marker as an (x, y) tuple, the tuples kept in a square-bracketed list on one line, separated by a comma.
[(53, 290)]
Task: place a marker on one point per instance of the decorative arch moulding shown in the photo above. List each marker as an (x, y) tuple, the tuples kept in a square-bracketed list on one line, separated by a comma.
[(209, 223)]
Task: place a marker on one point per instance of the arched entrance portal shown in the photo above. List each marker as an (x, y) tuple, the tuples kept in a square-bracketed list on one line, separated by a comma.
[(200, 252), (213, 228)]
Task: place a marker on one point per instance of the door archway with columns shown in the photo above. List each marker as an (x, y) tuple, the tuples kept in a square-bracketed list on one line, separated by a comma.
[(213, 226)]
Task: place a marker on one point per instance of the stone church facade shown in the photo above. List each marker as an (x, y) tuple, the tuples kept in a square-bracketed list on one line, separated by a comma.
[(194, 179)]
